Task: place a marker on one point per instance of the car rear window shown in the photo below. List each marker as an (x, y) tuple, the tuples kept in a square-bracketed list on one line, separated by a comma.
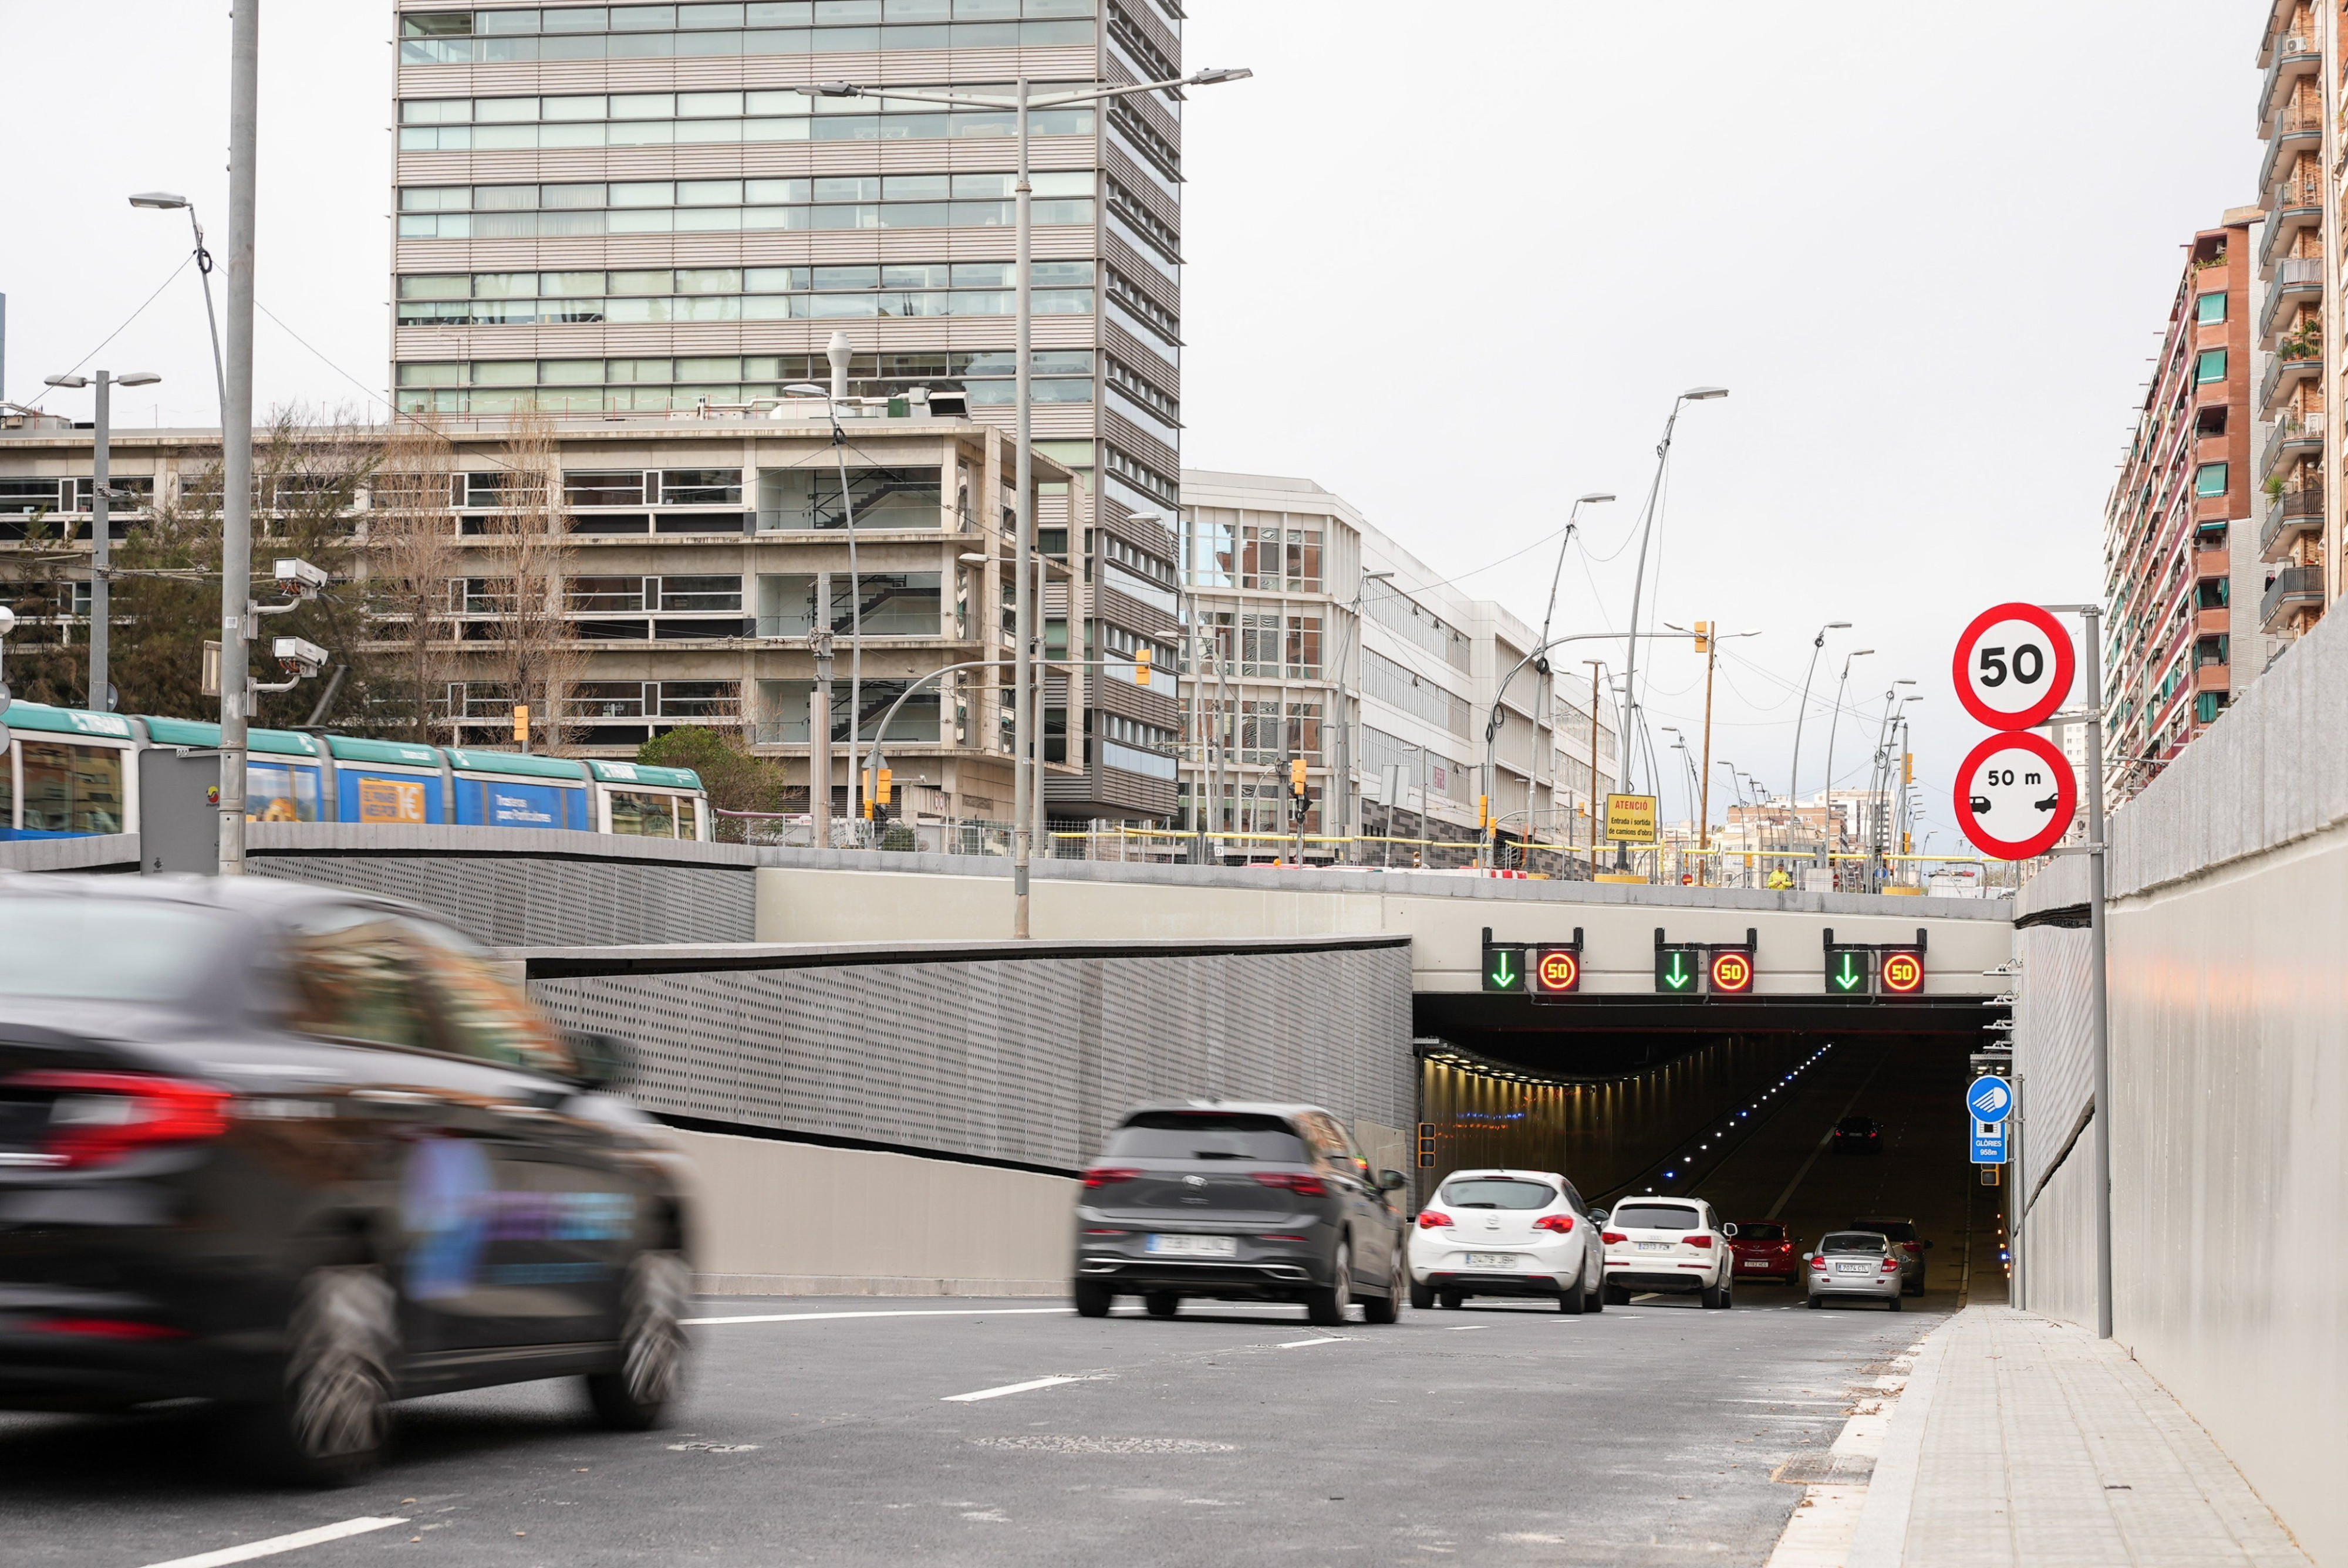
[(106, 949), (1205, 1135), (1897, 1230), (1852, 1241), (1755, 1230), (1853, 1124), (1499, 1193), (1654, 1216)]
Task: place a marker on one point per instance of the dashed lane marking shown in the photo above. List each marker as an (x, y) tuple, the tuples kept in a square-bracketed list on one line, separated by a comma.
[(277, 1543), (1008, 1389), (928, 1312), (1300, 1344)]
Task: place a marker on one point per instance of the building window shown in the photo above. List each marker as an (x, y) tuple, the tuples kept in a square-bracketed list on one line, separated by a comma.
[(2210, 367), (2210, 308), (2209, 479), (2208, 706)]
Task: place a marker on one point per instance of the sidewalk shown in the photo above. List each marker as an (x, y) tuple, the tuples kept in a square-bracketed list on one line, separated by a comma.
[(2019, 1441)]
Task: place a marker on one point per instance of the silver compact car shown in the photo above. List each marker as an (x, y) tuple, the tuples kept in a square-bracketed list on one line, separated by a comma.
[(1861, 1264)]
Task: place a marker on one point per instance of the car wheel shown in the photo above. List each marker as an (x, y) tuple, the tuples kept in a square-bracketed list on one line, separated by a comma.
[(1451, 1300), (1713, 1295), (1816, 1302), (1596, 1301), (1892, 1302), (1092, 1298), (328, 1425), (1421, 1296), (1917, 1289), (1326, 1306), (1388, 1310), (1162, 1303), (634, 1396), (1576, 1299), (1616, 1294)]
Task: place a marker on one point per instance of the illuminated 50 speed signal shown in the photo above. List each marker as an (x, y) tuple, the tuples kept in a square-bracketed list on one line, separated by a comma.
[(1902, 974), (1732, 971), (1556, 972)]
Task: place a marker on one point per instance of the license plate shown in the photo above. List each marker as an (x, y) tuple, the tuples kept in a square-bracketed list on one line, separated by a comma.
[(1193, 1246), (1654, 1247), (1852, 1268), (1756, 1263), (1503, 1260)]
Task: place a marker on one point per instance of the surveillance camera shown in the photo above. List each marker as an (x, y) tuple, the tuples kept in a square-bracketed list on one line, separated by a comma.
[(298, 656), (7, 621), (300, 579)]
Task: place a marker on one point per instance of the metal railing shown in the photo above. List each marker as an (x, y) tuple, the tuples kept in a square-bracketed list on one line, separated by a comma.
[(2279, 366), (2300, 503), (2292, 49), (2296, 120), (2293, 585), (2290, 428), (2291, 196), (2290, 272)]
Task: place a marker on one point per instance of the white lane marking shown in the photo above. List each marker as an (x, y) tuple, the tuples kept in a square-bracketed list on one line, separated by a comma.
[(1779, 1401), (934, 1312), (1324, 1340), (1459, 1328), (1006, 1389), (276, 1544)]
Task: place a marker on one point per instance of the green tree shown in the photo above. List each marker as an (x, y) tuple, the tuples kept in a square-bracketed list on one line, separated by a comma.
[(736, 778)]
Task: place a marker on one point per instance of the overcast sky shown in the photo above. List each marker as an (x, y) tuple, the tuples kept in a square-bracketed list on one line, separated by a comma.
[(1453, 263)]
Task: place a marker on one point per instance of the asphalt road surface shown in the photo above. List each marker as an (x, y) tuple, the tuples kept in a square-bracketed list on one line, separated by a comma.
[(846, 1431)]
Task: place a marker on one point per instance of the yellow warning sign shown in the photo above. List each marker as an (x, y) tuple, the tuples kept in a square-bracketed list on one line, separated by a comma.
[(1631, 818)]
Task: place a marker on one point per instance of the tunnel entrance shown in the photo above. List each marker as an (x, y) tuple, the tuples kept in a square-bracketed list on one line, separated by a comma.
[(1737, 1105)]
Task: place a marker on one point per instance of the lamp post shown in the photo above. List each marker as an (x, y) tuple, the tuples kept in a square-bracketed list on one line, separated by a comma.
[(1597, 668), (164, 200), (101, 524), (1027, 773), (1801, 709), (1572, 522), (840, 353), (1639, 580), (1826, 795), (1342, 773)]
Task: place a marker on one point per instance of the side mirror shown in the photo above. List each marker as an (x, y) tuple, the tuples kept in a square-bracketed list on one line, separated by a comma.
[(601, 1061), (1728, 1229), (1806, 1258), (1598, 1216), (1392, 1181), (1927, 1247)]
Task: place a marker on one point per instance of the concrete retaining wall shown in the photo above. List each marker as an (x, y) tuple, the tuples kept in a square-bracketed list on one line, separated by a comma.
[(2229, 1086)]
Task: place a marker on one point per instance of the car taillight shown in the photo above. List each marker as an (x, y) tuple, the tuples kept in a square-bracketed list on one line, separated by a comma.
[(1108, 1176), (1697, 1240), (1297, 1182), (1784, 1247), (1558, 1223), (1613, 1238), (105, 1328), (1890, 1263), (1430, 1218), (1820, 1263), (97, 1117)]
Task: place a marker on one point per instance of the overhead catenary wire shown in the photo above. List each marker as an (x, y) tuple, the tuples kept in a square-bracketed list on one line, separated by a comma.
[(118, 331)]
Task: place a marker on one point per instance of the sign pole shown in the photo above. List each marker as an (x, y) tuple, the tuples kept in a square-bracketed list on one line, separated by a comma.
[(2098, 924)]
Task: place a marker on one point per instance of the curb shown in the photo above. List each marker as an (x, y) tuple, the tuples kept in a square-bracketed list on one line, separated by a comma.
[(1880, 1540)]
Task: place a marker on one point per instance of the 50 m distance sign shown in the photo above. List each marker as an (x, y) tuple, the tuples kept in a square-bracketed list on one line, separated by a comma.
[(2015, 796)]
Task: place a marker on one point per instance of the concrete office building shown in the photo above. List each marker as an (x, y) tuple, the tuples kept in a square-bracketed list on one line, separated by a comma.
[(1320, 637), (626, 209), (2179, 644), (696, 555)]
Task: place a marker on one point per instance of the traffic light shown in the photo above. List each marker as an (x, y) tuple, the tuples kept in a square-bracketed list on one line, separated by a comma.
[(1731, 972), (1901, 972), (1679, 967), (1554, 971), (1299, 805), (880, 790), (1706, 969), (1426, 1146), (1850, 971), (1483, 811), (1704, 637), (1504, 965), (1141, 667)]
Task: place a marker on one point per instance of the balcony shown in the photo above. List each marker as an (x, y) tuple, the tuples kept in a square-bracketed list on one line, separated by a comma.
[(2214, 622), (2210, 562), (2293, 205), (2293, 436), (2284, 372), (2296, 278), (2299, 131), (2298, 511), (2295, 56), (2294, 589)]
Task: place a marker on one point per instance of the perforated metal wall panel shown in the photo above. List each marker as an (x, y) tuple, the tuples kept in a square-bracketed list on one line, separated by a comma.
[(1025, 1060), (545, 901)]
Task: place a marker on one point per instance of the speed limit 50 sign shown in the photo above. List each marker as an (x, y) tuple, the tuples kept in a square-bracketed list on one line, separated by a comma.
[(2014, 666)]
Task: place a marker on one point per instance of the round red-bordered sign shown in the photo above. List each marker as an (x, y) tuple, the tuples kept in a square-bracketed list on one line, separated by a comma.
[(1732, 971), (2015, 796), (2013, 667), (1556, 970)]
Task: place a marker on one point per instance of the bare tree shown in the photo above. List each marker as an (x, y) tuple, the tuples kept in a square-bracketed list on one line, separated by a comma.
[(524, 568), (413, 564)]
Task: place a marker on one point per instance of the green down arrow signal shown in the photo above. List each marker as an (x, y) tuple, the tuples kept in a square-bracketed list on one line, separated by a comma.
[(1678, 977), (1503, 975), (1850, 977)]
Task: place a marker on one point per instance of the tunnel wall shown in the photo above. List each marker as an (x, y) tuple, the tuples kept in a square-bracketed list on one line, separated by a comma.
[(1602, 1133), (2230, 1085)]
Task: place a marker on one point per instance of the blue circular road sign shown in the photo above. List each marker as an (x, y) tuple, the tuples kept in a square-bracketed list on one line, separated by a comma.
[(1990, 1099)]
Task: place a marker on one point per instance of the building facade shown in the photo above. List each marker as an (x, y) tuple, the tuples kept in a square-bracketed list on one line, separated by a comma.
[(628, 209), (2178, 527), (688, 560), (1316, 635)]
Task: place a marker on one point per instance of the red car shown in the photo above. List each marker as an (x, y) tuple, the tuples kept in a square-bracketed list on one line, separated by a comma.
[(1764, 1251)]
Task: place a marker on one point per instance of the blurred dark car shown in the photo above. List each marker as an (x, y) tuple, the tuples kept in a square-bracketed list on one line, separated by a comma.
[(304, 1152), (1763, 1250), (1858, 1135), (1238, 1202), (1911, 1248)]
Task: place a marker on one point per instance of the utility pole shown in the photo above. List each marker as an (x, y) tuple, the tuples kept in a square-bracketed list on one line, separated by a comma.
[(1706, 645), (1595, 666), (236, 428), (2098, 866), (820, 738), (102, 526)]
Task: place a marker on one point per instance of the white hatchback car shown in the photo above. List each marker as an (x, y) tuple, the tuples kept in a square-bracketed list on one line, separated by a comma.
[(1506, 1232), (1670, 1244)]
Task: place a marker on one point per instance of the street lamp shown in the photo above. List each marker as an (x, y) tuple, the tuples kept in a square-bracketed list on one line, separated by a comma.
[(165, 201), (1027, 773), (1572, 522), (1638, 581), (101, 525), (1826, 795), (1801, 709), (838, 352)]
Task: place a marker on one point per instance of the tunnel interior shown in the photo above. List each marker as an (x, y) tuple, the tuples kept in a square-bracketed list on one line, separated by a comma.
[(1734, 1103)]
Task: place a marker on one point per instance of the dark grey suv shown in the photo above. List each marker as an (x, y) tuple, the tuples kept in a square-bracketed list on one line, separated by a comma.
[(1238, 1202)]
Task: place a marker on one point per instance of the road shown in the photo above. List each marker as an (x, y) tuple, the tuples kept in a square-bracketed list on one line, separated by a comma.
[(830, 1432)]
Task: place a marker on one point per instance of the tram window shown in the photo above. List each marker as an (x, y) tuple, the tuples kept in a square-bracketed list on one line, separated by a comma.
[(274, 792), (72, 789), (688, 823), (7, 790), (644, 816)]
